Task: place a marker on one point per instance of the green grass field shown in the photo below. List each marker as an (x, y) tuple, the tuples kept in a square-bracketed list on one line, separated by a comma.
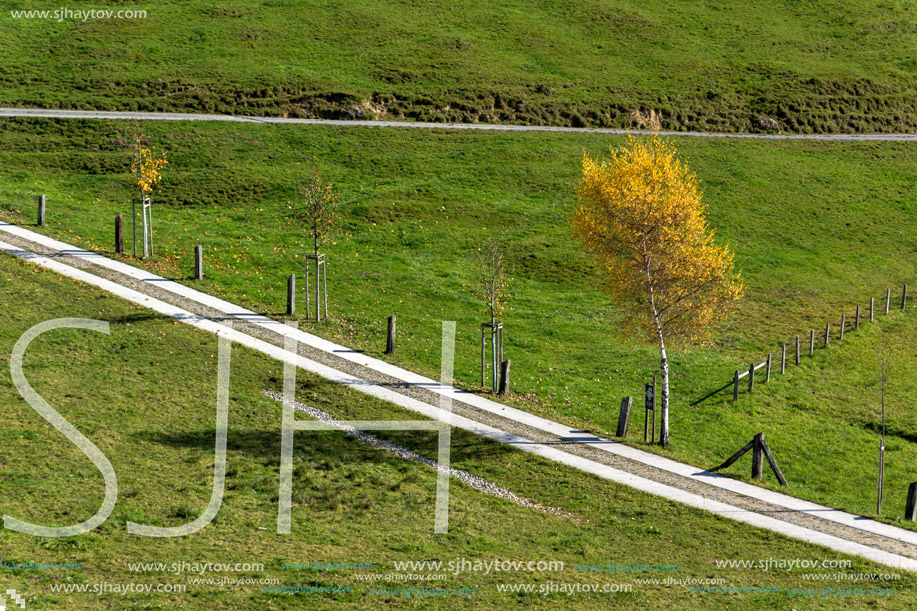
[(145, 395), (816, 229), (830, 66)]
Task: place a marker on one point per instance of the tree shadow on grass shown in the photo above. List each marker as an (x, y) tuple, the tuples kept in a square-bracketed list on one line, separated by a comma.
[(264, 445)]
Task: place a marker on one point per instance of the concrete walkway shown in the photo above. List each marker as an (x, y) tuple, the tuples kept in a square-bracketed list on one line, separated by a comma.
[(389, 394), (181, 116), (480, 402)]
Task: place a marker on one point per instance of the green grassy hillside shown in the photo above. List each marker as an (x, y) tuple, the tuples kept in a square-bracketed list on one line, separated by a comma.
[(144, 394), (828, 66), (816, 229)]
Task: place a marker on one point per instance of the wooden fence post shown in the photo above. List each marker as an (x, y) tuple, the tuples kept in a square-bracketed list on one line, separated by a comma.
[(653, 434), (291, 294), (797, 350), (856, 324), (783, 359), (827, 333), (623, 417), (872, 309), (649, 404), (41, 210), (757, 458), (119, 234), (904, 296), (751, 377), (504, 377), (910, 510), (768, 377), (888, 299), (390, 337), (735, 386), (482, 354), (843, 324), (198, 262), (811, 342)]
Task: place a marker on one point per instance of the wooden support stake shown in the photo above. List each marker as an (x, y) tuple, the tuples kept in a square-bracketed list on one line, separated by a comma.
[(291, 294), (757, 457), (827, 333), (504, 377), (843, 324), (772, 462), (41, 210), (888, 299), (119, 234), (623, 417), (811, 342), (872, 309), (198, 262), (910, 510), (783, 359), (390, 337), (735, 386), (735, 456), (856, 322), (797, 350), (751, 377), (767, 378), (904, 296), (881, 491)]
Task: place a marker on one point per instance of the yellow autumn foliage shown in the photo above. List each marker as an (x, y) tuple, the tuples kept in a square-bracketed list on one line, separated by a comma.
[(146, 165), (641, 213)]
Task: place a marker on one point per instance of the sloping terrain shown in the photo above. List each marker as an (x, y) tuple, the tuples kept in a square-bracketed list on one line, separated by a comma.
[(826, 66)]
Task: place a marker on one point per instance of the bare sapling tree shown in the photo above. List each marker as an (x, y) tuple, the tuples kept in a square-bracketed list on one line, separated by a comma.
[(640, 213), (492, 287), (319, 213)]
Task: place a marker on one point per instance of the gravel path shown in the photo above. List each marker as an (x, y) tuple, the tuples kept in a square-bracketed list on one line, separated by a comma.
[(180, 116), (476, 482)]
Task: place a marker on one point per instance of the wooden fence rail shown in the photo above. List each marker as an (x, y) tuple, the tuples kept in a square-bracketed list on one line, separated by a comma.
[(845, 325)]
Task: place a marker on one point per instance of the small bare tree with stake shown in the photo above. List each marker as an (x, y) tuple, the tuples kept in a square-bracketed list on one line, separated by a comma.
[(320, 215), (493, 289)]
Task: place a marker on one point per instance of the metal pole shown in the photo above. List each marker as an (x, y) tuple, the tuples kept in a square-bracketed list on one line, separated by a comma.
[(146, 251), (325, 283), (134, 224), (307, 288), (318, 285)]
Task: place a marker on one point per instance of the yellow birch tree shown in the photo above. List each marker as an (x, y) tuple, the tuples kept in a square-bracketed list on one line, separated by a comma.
[(641, 214)]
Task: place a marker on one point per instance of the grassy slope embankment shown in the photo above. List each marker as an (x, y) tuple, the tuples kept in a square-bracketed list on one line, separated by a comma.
[(816, 229), (144, 395), (830, 66)]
